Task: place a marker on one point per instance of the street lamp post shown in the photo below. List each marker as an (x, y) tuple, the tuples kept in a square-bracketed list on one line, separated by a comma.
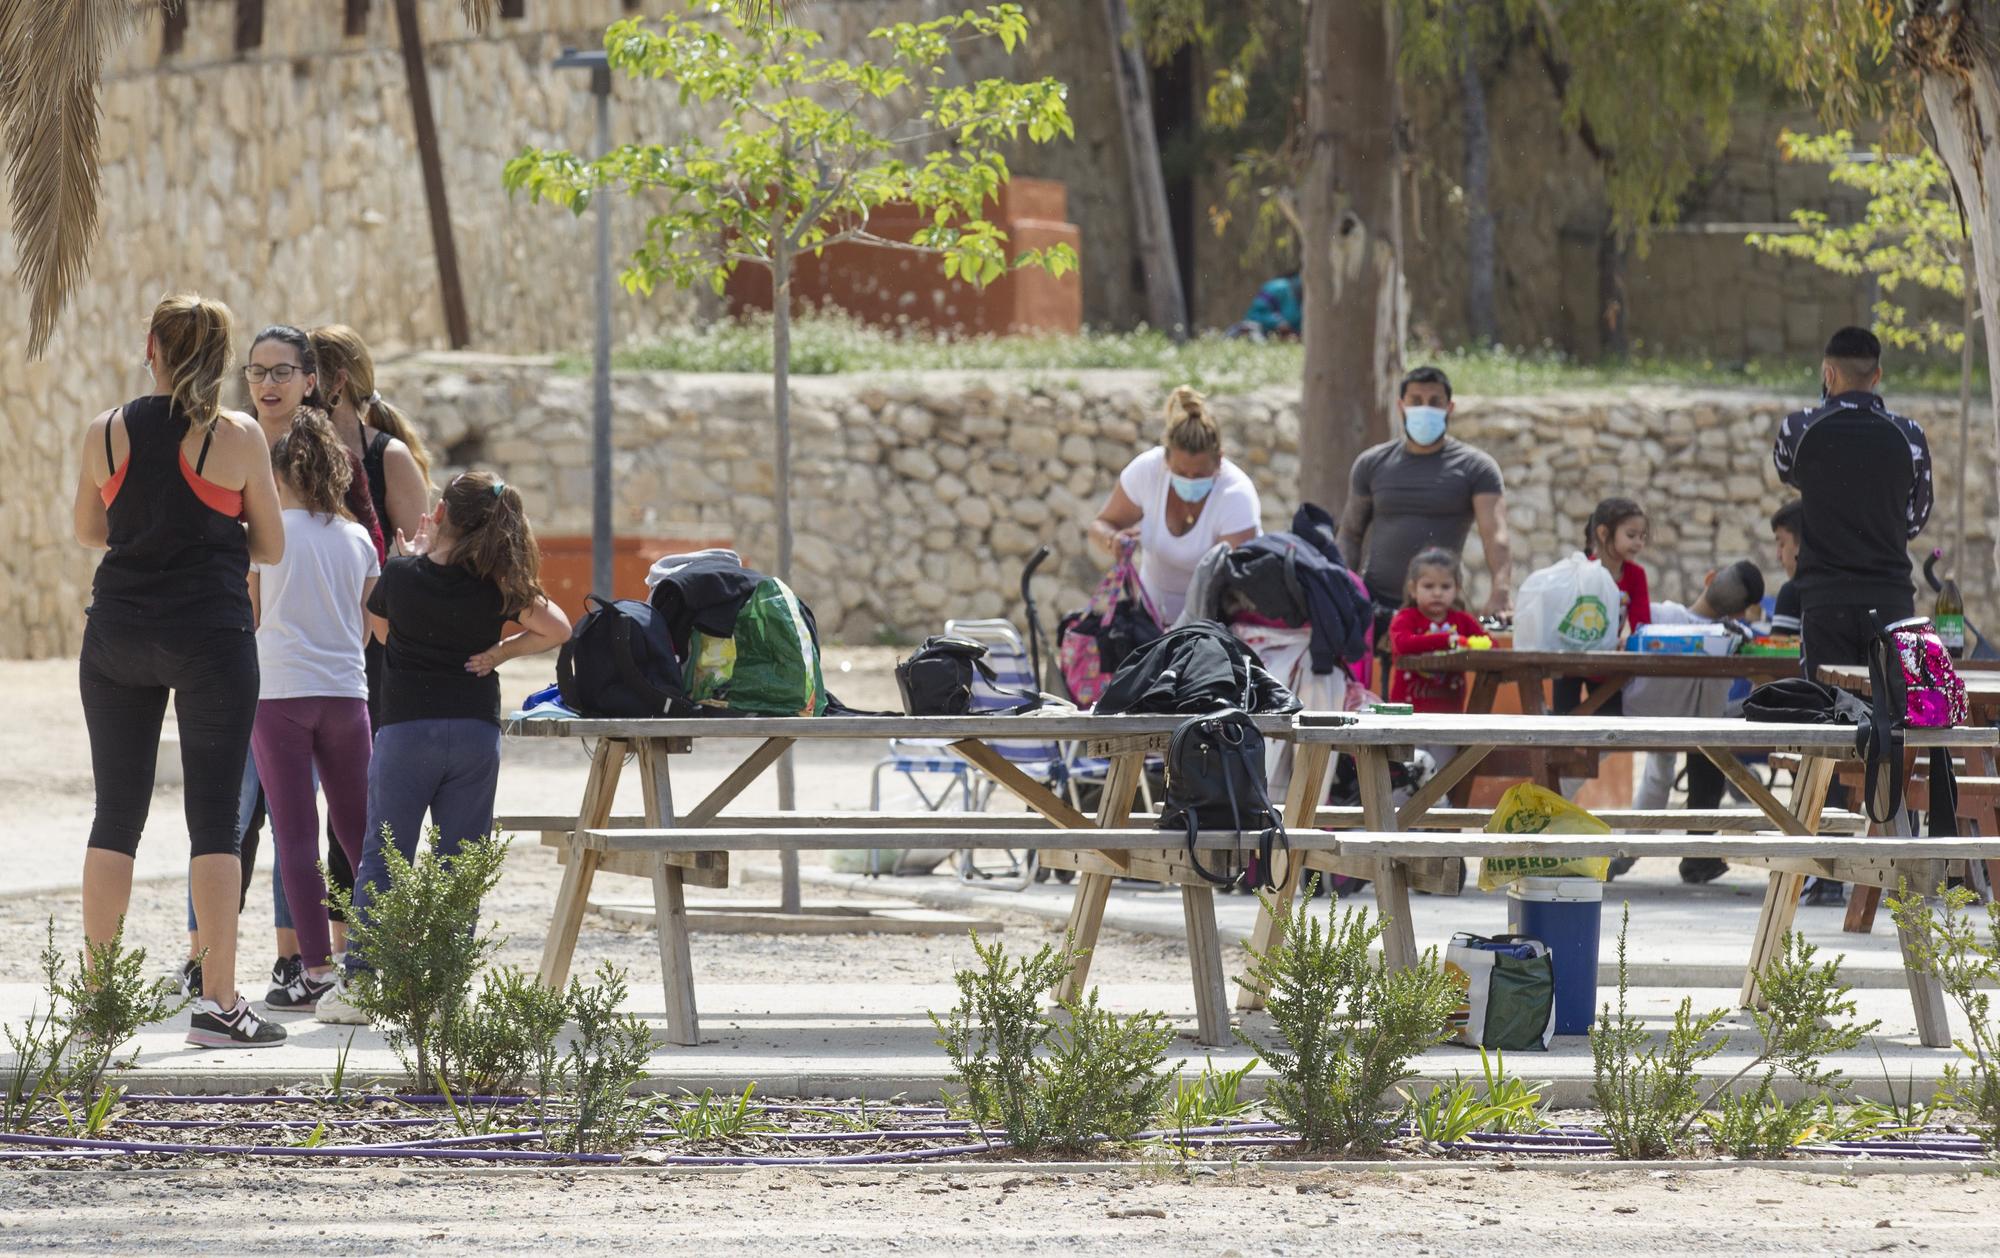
[(599, 65)]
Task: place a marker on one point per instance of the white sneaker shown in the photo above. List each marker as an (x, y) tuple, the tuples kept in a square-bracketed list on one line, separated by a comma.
[(334, 1007)]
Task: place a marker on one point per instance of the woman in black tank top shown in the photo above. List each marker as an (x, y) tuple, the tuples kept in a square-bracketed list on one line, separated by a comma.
[(169, 483)]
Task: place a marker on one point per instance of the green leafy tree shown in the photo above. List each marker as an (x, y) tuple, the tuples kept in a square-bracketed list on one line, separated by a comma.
[(807, 150), (1911, 232)]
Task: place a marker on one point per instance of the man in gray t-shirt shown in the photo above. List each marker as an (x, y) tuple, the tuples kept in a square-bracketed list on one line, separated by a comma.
[(1423, 489)]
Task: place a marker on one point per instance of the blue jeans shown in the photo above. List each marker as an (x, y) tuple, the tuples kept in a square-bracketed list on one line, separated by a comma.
[(448, 768)]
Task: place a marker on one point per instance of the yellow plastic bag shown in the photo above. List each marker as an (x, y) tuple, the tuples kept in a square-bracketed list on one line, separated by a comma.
[(1531, 809)]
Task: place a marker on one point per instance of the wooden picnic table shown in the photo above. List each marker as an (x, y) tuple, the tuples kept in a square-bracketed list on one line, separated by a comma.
[(1124, 740), (1376, 740)]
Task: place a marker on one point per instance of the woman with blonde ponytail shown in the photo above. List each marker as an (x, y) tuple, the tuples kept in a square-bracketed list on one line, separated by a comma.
[(179, 494), (398, 465), (1176, 501)]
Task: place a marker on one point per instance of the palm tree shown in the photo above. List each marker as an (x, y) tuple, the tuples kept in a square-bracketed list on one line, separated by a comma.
[(51, 63)]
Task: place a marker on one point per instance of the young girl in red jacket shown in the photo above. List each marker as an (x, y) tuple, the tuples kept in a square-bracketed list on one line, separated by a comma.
[(1430, 621)]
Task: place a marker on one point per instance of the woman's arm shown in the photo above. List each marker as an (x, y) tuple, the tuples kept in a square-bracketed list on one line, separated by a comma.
[(262, 515), (256, 601), (92, 525), (368, 619), (1119, 517), (544, 627), (407, 494)]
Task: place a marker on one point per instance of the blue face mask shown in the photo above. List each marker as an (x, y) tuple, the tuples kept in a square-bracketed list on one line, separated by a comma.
[(1424, 424), (1192, 488)]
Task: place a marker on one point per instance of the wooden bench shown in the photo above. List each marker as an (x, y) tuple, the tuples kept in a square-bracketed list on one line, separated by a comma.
[(1922, 862)]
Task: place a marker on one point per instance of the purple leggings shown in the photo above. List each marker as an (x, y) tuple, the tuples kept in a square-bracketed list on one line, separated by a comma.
[(292, 737)]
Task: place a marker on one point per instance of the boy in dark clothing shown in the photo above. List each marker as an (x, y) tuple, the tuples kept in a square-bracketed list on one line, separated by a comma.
[(1863, 474), (1787, 526)]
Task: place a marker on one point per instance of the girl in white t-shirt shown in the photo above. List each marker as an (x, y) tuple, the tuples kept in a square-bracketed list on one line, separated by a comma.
[(312, 709), (1176, 501)]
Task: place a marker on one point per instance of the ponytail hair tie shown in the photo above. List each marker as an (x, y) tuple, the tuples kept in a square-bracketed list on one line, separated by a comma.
[(498, 487), (373, 399)]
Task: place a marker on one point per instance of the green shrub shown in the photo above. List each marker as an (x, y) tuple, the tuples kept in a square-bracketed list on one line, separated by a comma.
[(71, 1042), (607, 1058), (1048, 1081), (1348, 1026), (506, 1038), (423, 946), (1951, 946), (1651, 1096)]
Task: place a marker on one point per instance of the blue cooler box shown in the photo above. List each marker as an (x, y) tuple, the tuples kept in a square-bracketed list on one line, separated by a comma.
[(1565, 914)]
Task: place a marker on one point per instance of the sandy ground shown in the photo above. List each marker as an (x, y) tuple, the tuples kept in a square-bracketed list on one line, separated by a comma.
[(787, 1212)]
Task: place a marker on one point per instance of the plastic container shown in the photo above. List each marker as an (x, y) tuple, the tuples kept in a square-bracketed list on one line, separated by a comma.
[(1565, 914)]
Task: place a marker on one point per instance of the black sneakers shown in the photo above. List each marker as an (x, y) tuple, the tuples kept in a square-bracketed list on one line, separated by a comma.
[(1696, 870), (1823, 893), (284, 972), (300, 994), (187, 979), (212, 1027)]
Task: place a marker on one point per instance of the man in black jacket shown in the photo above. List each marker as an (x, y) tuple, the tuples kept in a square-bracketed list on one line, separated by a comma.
[(1863, 474)]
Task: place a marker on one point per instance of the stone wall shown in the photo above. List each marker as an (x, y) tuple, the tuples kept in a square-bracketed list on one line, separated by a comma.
[(284, 180), (920, 497)]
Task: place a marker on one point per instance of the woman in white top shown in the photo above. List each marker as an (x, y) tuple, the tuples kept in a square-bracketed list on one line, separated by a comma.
[(1176, 501), (312, 709)]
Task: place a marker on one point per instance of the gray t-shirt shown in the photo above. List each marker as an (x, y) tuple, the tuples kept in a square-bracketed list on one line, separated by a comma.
[(1403, 502)]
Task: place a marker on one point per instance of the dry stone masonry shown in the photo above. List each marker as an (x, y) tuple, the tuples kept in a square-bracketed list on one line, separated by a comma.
[(919, 497)]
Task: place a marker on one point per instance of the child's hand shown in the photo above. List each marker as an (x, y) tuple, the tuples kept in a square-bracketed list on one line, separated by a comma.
[(421, 543), (486, 661)]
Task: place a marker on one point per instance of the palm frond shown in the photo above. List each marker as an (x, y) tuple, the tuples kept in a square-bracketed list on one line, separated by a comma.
[(479, 12), (55, 54), (773, 12)]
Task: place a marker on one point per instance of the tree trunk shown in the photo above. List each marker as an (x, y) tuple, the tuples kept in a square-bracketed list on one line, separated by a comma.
[(1963, 102), (1352, 307), (1612, 341), (1166, 301), (1480, 259), (781, 496)]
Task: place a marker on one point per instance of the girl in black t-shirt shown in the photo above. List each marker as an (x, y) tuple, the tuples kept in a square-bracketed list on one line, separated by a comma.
[(441, 611)]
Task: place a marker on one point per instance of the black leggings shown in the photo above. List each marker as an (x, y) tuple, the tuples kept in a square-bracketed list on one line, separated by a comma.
[(125, 674)]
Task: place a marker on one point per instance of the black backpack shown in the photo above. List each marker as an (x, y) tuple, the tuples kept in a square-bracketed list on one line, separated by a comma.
[(1216, 781), (937, 680), (619, 663)]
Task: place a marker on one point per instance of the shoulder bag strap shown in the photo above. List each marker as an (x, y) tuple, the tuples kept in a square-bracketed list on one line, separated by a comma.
[(628, 664), (1880, 741)]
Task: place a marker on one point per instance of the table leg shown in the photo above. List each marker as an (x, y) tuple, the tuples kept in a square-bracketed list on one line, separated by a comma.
[(1086, 912), (1211, 992), (1392, 886), (1926, 995), (1781, 892), (574, 897), (1485, 689), (1310, 762), (739, 779), (670, 921), (1541, 769)]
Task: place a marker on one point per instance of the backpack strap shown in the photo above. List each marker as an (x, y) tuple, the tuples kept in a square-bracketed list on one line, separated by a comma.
[(1880, 741)]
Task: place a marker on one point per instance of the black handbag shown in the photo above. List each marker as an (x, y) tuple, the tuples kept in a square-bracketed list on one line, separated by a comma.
[(1216, 781), (937, 680)]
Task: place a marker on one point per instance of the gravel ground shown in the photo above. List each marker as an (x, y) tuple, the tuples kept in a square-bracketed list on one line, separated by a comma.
[(786, 1212)]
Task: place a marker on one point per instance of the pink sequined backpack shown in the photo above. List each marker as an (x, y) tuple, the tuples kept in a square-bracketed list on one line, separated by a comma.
[(1933, 693)]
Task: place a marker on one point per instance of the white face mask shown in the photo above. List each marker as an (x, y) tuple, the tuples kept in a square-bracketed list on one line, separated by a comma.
[(1424, 424)]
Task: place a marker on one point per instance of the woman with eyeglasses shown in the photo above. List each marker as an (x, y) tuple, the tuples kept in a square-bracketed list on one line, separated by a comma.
[(283, 376), (398, 465), (179, 495)]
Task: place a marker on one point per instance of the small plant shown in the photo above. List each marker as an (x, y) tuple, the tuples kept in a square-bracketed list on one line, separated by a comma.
[(1449, 1112), (68, 1045), (506, 1038), (1050, 1082), (1518, 1105), (607, 1058), (1650, 1097), (420, 937), (1348, 1026), (1104, 1076), (709, 1117), (1906, 1113), (1950, 946), (1214, 1096)]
